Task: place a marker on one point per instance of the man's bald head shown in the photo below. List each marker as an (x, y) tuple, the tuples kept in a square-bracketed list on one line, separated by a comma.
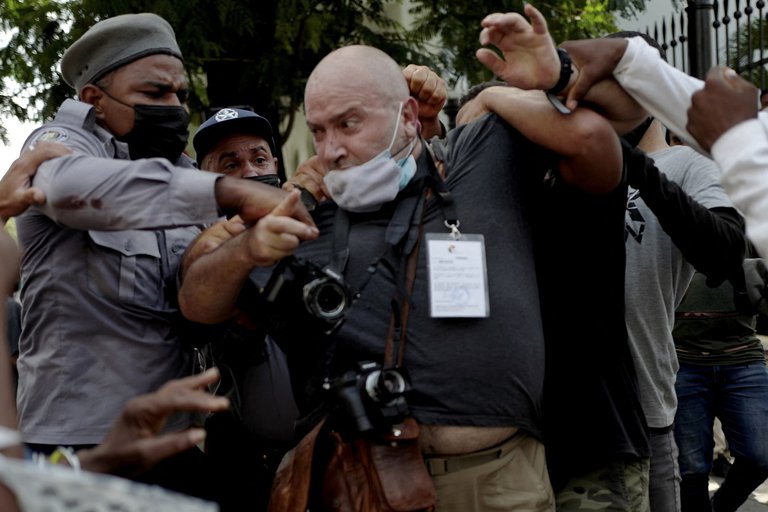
[(359, 66), (357, 104)]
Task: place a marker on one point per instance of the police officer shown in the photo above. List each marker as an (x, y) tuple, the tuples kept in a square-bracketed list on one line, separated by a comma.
[(100, 256)]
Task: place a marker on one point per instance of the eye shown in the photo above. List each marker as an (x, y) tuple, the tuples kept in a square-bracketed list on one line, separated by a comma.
[(349, 123), (183, 95), (317, 133)]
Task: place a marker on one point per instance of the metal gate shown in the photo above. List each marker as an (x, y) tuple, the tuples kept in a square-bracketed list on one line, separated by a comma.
[(711, 32)]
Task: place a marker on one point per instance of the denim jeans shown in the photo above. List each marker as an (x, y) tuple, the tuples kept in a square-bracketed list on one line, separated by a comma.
[(738, 395)]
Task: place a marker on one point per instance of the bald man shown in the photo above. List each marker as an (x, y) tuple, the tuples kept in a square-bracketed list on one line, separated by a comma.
[(474, 348)]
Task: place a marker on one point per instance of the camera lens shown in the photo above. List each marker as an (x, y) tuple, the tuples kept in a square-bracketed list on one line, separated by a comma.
[(325, 299), (385, 385)]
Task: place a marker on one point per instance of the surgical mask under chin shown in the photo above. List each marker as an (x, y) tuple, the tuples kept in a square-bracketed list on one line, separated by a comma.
[(366, 187)]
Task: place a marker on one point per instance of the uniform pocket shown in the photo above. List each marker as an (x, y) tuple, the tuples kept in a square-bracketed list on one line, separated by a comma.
[(125, 266)]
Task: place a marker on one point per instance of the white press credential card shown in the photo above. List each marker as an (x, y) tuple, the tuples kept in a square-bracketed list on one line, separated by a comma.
[(458, 281)]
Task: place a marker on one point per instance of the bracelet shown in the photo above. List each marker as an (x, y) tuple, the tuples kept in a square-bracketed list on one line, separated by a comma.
[(566, 70), (9, 437), (307, 199), (68, 454)]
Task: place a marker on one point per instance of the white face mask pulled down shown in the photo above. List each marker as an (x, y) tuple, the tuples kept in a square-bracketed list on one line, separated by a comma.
[(366, 187)]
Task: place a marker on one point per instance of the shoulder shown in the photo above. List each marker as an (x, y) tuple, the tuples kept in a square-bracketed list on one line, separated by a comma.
[(488, 142), (74, 126), (682, 163)]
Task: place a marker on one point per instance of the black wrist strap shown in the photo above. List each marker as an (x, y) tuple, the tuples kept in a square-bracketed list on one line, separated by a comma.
[(565, 72)]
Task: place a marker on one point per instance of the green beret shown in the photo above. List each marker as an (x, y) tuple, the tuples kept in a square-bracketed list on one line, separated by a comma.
[(115, 42)]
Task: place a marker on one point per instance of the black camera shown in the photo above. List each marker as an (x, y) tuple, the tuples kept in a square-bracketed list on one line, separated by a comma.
[(308, 294), (373, 397)]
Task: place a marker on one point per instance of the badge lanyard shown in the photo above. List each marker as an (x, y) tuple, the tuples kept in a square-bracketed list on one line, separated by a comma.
[(457, 270)]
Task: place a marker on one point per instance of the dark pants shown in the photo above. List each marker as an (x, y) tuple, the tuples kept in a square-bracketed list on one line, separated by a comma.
[(243, 464), (738, 395)]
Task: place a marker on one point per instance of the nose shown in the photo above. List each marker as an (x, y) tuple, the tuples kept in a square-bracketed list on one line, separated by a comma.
[(250, 170), (333, 153)]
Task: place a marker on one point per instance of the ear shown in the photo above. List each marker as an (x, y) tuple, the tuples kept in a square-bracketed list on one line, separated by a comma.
[(93, 96), (411, 116)]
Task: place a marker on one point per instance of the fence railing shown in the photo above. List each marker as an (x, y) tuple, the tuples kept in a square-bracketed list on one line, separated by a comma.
[(716, 32)]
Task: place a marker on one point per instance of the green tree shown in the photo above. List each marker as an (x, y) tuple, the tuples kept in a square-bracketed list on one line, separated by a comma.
[(457, 23), (237, 52), (259, 52)]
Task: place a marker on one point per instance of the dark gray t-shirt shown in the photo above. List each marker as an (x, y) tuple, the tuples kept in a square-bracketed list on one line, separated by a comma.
[(481, 372)]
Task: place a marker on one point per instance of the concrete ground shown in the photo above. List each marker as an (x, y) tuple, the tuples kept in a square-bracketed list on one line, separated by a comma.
[(757, 503)]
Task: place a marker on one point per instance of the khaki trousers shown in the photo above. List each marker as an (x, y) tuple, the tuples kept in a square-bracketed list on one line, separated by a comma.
[(509, 477)]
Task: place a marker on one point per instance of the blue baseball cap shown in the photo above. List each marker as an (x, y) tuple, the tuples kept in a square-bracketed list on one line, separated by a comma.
[(227, 121)]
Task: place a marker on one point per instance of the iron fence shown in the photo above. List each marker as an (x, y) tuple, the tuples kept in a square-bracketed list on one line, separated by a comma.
[(708, 33)]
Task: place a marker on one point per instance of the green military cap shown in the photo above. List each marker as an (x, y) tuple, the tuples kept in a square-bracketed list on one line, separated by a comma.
[(115, 42)]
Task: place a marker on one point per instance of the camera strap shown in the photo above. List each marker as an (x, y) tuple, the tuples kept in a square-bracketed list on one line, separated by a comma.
[(408, 214)]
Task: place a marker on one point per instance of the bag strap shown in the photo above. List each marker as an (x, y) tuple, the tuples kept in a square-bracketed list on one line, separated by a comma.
[(410, 277)]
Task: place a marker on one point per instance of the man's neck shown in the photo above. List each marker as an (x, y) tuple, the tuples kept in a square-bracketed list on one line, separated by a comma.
[(653, 140)]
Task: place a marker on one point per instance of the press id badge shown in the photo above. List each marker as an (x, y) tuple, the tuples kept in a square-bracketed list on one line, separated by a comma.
[(458, 277)]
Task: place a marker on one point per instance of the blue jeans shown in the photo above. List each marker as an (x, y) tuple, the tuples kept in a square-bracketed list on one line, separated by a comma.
[(738, 395)]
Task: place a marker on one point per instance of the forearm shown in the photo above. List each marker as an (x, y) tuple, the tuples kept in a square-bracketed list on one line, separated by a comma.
[(742, 155), (432, 127), (211, 283), (251, 200), (590, 152), (712, 241), (613, 103), (85, 192)]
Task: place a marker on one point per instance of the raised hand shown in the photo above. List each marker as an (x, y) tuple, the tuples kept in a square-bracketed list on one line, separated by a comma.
[(430, 91), (595, 60), (530, 57), (278, 234), (16, 190), (725, 101), (135, 443), (309, 176)]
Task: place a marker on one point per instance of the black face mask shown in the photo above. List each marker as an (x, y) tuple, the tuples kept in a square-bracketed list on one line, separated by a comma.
[(269, 179), (158, 131), (636, 135)]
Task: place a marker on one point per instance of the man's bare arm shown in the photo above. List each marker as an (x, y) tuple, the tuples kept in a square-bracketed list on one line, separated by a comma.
[(590, 151), (211, 284), (530, 61)]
